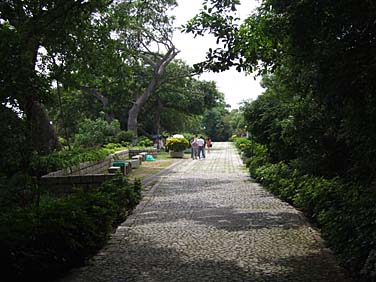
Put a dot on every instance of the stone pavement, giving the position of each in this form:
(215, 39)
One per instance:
(207, 221)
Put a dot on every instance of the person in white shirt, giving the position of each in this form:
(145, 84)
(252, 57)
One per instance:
(201, 147)
(194, 145)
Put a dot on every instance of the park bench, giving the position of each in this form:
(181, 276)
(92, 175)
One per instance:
(114, 169)
(137, 157)
(134, 163)
(125, 166)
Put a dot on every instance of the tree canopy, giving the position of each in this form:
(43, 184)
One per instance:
(317, 114)
(77, 58)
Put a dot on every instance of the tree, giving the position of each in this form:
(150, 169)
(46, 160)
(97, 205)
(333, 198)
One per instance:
(26, 28)
(216, 123)
(236, 121)
(327, 48)
(127, 57)
(180, 98)
(15, 143)
(146, 38)
(318, 112)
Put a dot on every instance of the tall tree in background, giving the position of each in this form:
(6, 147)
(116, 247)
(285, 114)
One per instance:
(216, 123)
(123, 57)
(146, 37)
(180, 98)
(26, 27)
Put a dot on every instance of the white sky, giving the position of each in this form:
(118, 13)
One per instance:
(236, 86)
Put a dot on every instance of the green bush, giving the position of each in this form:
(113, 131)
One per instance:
(259, 158)
(41, 165)
(345, 212)
(144, 142)
(94, 133)
(60, 233)
(42, 241)
(279, 179)
(255, 154)
(114, 147)
(177, 144)
(349, 225)
(241, 141)
(17, 191)
(188, 136)
(124, 136)
(125, 195)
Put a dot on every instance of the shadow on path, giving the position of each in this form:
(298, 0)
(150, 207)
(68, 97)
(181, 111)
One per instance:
(161, 264)
(221, 217)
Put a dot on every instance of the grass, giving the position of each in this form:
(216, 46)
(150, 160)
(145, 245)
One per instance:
(149, 168)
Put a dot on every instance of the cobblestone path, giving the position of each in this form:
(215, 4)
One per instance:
(207, 221)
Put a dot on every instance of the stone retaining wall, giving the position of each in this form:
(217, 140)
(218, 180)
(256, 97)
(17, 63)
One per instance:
(121, 155)
(86, 175)
(149, 151)
(63, 185)
(91, 167)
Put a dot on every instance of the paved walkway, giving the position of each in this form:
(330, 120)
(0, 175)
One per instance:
(207, 221)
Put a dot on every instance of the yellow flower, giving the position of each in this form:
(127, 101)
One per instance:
(177, 144)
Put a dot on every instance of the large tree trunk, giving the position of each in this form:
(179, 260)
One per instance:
(132, 118)
(159, 69)
(43, 134)
(34, 22)
(157, 116)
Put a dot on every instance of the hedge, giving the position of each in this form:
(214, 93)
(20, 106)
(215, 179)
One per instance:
(343, 209)
(43, 241)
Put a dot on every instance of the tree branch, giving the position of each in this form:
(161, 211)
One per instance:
(96, 94)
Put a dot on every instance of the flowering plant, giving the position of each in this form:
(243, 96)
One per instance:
(177, 144)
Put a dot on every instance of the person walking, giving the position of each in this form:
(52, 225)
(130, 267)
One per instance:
(194, 145)
(208, 144)
(190, 144)
(201, 147)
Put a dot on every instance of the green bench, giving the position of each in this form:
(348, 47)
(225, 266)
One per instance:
(124, 166)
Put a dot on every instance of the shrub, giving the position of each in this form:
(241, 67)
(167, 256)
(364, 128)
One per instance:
(94, 133)
(250, 148)
(349, 225)
(125, 195)
(177, 144)
(144, 142)
(188, 136)
(42, 241)
(279, 179)
(124, 136)
(60, 233)
(233, 137)
(41, 165)
(344, 211)
(17, 191)
(113, 147)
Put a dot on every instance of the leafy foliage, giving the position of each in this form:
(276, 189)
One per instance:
(68, 158)
(43, 241)
(216, 123)
(96, 133)
(344, 211)
(15, 143)
(144, 141)
(124, 136)
(177, 144)
(316, 118)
